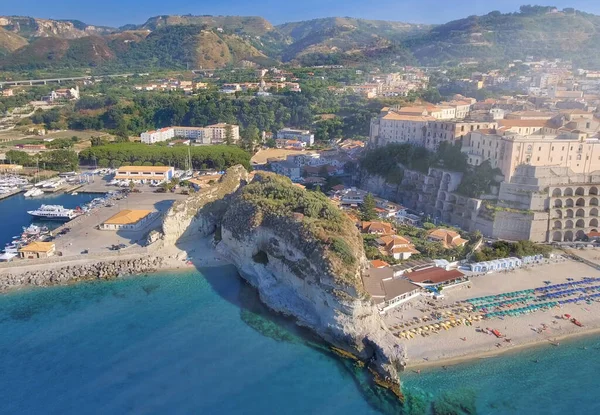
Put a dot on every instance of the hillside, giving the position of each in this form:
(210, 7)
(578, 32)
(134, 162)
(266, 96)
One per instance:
(29, 27)
(537, 31)
(343, 37)
(218, 41)
(9, 42)
(249, 25)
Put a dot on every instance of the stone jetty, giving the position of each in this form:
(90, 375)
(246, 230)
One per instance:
(100, 270)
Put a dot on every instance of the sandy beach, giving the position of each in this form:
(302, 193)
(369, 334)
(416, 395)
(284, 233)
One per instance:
(543, 328)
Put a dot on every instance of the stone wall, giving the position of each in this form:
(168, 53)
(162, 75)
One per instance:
(101, 270)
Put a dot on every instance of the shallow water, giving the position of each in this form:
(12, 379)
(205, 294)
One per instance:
(201, 343)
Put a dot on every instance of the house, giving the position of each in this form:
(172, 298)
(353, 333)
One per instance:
(448, 238)
(128, 219)
(301, 135)
(37, 250)
(378, 263)
(385, 290)
(10, 168)
(396, 246)
(376, 228)
(294, 144)
(286, 168)
(435, 276)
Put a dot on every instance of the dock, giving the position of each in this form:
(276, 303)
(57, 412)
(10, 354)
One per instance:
(9, 194)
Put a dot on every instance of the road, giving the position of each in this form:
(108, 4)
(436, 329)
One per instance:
(59, 80)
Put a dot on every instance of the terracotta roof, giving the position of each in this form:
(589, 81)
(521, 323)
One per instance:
(377, 227)
(394, 239)
(378, 263)
(434, 275)
(38, 247)
(447, 237)
(522, 123)
(127, 217)
(404, 250)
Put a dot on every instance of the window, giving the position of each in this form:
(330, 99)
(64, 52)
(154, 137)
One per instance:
(540, 148)
(538, 159)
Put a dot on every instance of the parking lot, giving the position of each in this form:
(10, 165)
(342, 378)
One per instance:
(84, 235)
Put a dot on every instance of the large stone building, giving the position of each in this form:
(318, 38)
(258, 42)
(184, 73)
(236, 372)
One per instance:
(569, 140)
(425, 126)
(211, 134)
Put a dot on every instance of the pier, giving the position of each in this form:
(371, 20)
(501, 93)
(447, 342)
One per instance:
(9, 194)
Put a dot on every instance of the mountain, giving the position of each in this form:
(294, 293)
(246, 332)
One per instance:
(29, 27)
(9, 42)
(174, 41)
(538, 31)
(243, 25)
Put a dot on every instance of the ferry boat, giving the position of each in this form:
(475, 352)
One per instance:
(54, 212)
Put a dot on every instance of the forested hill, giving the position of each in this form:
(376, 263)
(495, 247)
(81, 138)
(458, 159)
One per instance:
(174, 41)
(538, 31)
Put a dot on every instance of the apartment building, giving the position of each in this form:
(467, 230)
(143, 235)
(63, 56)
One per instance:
(211, 134)
(426, 126)
(301, 135)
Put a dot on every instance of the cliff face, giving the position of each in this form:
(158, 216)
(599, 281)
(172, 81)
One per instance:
(30, 27)
(200, 214)
(302, 254)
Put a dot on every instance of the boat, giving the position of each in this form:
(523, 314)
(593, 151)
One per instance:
(496, 333)
(576, 322)
(33, 192)
(53, 212)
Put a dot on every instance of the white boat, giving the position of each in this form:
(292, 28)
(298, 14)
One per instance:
(53, 212)
(34, 192)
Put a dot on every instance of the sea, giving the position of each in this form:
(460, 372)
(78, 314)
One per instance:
(200, 342)
(15, 217)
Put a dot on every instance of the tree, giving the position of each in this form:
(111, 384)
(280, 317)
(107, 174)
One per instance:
(250, 138)
(228, 134)
(131, 185)
(367, 208)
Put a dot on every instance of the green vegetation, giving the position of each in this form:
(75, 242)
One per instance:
(273, 196)
(479, 180)
(503, 249)
(367, 208)
(205, 157)
(58, 160)
(391, 160)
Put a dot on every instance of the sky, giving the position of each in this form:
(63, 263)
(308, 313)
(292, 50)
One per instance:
(120, 12)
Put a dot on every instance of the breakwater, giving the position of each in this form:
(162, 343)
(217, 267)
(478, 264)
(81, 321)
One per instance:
(99, 270)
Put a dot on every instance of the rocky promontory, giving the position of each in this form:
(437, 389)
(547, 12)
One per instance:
(303, 254)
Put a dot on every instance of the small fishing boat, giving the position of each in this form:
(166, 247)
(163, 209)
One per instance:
(576, 322)
(496, 333)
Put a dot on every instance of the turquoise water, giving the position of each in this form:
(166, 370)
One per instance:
(14, 211)
(201, 343)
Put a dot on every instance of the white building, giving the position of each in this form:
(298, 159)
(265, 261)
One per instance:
(211, 134)
(301, 135)
(145, 173)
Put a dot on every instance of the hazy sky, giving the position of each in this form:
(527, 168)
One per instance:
(120, 12)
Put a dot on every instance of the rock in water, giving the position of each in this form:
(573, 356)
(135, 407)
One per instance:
(303, 254)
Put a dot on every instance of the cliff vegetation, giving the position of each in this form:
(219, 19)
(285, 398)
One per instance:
(308, 216)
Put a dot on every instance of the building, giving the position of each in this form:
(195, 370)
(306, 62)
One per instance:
(291, 144)
(301, 135)
(288, 169)
(127, 219)
(435, 276)
(376, 228)
(425, 126)
(211, 134)
(448, 238)
(396, 246)
(10, 168)
(385, 290)
(507, 150)
(37, 250)
(62, 95)
(155, 174)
